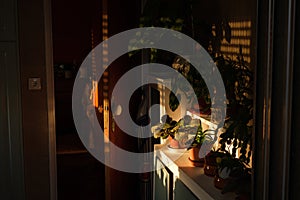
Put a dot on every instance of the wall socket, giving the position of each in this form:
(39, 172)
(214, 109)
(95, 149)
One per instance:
(34, 84)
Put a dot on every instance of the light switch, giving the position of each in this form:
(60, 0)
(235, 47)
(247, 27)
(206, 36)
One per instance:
(34, 84)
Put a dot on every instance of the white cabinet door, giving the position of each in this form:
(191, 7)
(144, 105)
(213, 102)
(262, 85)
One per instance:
(163, 182)
(182, 192)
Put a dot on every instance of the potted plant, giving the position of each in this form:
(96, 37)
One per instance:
(239, 182)
(233, 175)
(198, 84)
(236, 137)
(166, 129)
(228, 166)
(196, 143)
(238, 127)
(211, 161)
(178, 132)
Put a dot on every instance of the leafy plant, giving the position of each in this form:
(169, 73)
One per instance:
(166, 129)
(232, 164)
(196, 81)
(237, 131)
(201, 136)
(170, 127)
(239, 180)
(214, 157)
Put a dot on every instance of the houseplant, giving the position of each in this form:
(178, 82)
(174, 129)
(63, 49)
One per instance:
(211, 161)
(227, 166)
(236, 137)
(197, 82)
(233, 175)
(196, 143)
(239, 182)
(178, 132)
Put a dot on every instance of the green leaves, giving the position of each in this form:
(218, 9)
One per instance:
(201, 136)
(238, 80)
(170, 127)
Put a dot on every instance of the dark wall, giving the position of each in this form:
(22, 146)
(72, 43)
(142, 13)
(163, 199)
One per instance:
(34, 56)
(122, 16)
(73, 23)
(76, 28)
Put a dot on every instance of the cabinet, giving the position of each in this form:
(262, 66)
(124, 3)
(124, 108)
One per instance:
(176, 179)
(182, 192)
(166, 188)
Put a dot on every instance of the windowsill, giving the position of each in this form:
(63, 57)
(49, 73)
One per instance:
(205, 119)
(193, 177)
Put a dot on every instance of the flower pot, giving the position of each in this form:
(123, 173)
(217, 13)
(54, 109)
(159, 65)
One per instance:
(210, 165)
(173, 143)
(194, 157)
(210, 170)
(222, 177)
(182, 138)
(219, 182)
(179, 141)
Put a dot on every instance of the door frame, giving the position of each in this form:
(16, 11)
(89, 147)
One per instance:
(50, 98)
(274, 93)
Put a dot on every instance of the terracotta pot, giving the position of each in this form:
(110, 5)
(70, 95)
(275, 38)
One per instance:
(210, 170)
(219, 182)
(177, 144)
(173, 143)
(194, 157)
(210, 166)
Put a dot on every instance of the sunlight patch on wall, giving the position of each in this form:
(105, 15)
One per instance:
(105, 81)
(241, 33)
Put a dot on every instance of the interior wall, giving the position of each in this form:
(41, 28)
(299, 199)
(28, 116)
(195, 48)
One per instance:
(76, 30)
(33, 63)
(73, 24)
(121, 16)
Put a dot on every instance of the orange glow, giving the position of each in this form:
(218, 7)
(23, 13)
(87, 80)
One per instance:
(95, 94)
(240, 38)
(105, 80)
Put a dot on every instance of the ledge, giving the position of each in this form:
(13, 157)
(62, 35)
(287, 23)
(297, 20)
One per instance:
(193, 177)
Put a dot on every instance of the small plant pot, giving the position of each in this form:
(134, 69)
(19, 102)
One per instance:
(179, 141)
(174, 144)
(194, 157)
(210, 170)
(219, 182)
(222, 177)
(210, 166)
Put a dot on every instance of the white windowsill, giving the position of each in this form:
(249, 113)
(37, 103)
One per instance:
(193, 177)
